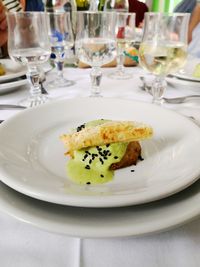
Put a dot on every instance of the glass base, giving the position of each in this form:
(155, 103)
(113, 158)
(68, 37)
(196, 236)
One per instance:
(34, 101)
(60, 83)
(120, 75)
(95, 95)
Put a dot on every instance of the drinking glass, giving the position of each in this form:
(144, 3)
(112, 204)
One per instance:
(116, 5)
(163, 49)
(95, 43)
(62, 40)
(125, 38)
(28, 44)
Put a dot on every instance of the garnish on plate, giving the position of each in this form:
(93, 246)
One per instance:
(99, 147)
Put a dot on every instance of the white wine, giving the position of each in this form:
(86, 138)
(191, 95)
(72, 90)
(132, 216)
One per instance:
(164, 58)
(96, 51)
(30, 56)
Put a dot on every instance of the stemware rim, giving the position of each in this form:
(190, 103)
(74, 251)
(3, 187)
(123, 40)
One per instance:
(93, 12)
(168, 13)
(26, 12)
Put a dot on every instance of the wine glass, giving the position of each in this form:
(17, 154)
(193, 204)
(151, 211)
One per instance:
(163, 49)
(95, 43)
(116, 5)
(125, 38)
(62, 40)
(28, 44)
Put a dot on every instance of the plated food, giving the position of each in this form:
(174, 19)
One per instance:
(99, 147)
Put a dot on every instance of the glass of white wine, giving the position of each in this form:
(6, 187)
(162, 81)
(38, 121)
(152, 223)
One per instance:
(163, 49)
(125, 39)
(95, 43)
(29, 45)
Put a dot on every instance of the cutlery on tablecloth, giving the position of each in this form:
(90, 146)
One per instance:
(173, 100)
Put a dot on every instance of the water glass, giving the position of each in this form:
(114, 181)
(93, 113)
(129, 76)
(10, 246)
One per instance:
(29, 45)
(95, 43)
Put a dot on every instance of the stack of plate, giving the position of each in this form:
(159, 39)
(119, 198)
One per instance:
(14, 77)
(161, 193)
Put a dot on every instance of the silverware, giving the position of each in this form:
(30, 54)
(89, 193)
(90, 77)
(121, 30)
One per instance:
(181, 99)
(10, 106)
(174, 100)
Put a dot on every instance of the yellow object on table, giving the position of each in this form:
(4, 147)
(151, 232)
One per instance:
(2, 70)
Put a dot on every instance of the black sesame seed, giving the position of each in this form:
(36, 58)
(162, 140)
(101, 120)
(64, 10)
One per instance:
(88, 183)
(87, 167)
(132, 170)
(90, 161)
(109, 154)
(105, 158)
(115, 157)
(79, 128)
(102, 175)
(101, 160)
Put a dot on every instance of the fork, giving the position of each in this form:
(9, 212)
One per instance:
(174, 100)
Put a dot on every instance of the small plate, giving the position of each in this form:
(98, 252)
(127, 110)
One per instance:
(32, 161)
(187, 72)
(13, 70)
(11, 86)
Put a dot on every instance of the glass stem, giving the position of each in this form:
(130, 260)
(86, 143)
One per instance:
(59, 67)
(33, 77)
(120, 62)
(158, 88)
(96, 75)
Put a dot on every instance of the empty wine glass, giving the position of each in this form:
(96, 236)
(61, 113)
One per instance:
(163, 49)
(116, 5)
(62, 40)
(95, 43)
(28, 44)
(125, 38)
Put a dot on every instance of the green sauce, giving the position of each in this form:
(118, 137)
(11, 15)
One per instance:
(91, 165)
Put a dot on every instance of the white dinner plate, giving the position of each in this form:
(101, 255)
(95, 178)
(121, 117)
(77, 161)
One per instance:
(98, 223)
(32, 157)
(10, 86)
(13, 70)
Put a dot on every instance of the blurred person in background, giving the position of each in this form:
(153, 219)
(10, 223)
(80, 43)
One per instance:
(139, 9)
(33, 5)
(25, 5)
(3, 24)
(12, 5)
(192, 7)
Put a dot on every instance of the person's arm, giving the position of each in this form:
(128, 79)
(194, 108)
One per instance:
(3, 25)
(194, 21)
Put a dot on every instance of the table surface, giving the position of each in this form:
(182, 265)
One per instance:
(22, 244)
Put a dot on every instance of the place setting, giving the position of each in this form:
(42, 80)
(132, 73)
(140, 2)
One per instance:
(67, 164)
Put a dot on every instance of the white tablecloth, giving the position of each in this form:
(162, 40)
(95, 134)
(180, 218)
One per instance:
(23, 245)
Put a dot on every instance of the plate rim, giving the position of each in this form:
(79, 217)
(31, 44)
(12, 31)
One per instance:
(3, 78)
(10, 86)
(87, 200)
(49, 220)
